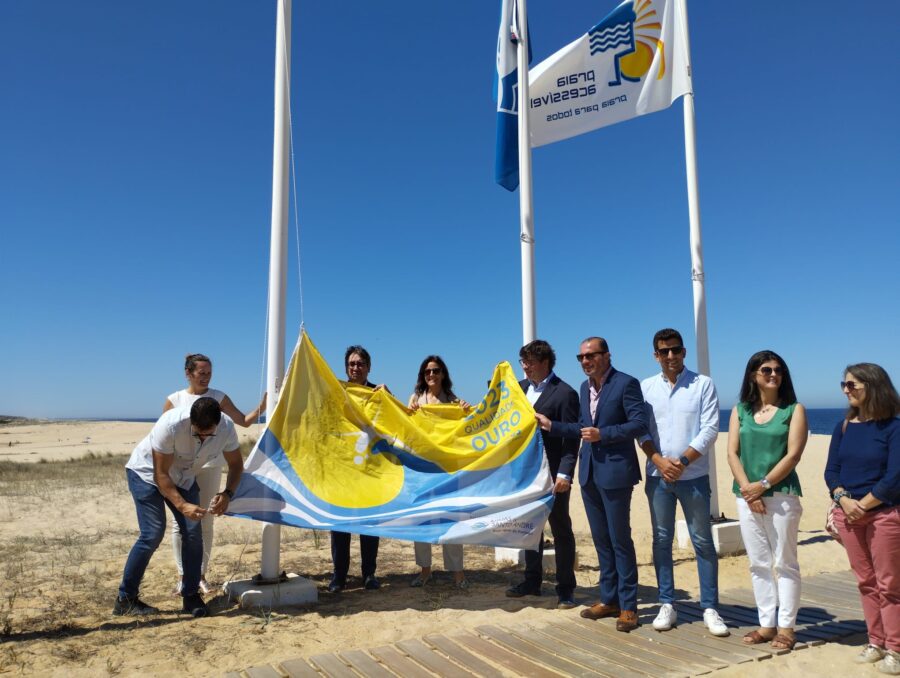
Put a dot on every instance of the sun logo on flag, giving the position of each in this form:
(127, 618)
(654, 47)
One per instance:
(635, 27)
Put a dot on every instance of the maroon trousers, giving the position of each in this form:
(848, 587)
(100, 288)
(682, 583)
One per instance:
(873, 546)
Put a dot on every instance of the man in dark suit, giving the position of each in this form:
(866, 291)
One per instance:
(612, 416)
(556, 400)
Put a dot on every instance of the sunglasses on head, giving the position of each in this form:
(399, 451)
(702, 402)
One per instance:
(769, 371)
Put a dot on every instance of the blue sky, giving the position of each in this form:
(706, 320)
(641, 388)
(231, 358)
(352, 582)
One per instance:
(135, 197)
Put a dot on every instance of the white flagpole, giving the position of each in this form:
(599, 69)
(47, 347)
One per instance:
(526, 201)
(271, 533)
(697, 276)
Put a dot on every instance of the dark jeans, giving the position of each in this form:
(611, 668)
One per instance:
(340, 555)
(563, 544)
(151, 515)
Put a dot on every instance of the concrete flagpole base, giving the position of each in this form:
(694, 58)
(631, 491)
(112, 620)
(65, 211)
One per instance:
(289, 590)
(726, 537)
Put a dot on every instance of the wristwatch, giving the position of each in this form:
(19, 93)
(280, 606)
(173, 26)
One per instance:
(684, 460)
(228, 493)
(766, 485)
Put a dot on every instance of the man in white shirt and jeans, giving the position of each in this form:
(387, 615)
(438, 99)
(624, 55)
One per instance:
(683, 411)
(162, 471)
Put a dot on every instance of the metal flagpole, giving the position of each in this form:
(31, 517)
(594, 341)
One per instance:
(272, 587)
(697, 276)
(526, 202)
(271, 533)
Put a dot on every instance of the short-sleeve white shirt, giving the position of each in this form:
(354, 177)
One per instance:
(183, 398)
(172, 434)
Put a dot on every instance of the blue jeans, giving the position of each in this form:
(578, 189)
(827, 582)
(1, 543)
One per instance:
(151, 515)
(693, 495)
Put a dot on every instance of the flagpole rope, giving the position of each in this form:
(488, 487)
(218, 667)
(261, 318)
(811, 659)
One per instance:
(294, 180)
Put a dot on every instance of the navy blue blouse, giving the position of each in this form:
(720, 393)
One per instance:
(866, 458)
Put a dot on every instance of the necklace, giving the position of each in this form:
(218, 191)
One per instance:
(763, 411)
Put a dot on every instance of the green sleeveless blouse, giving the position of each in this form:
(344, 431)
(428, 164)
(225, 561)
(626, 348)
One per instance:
(763, 446)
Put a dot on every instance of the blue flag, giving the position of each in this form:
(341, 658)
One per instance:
(506, 168)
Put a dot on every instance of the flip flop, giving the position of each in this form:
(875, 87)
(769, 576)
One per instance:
(783, 642)
(756, 638)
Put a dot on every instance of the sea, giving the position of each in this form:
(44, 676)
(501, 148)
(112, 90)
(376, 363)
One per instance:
(820, 421)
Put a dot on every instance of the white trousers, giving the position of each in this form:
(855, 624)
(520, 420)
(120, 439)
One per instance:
(453, 556)
(771, 542)
(209, 481)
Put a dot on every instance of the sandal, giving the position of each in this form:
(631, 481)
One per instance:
(756, 638)
(783, 642)
(420, 581)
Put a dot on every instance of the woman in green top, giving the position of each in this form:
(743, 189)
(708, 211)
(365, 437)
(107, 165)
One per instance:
(766, 437)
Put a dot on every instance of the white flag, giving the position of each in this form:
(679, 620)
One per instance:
(633, 62)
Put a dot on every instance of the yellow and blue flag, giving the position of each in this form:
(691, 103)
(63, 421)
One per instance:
(339, 456)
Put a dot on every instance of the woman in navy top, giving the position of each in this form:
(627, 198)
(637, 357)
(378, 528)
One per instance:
(863, 476)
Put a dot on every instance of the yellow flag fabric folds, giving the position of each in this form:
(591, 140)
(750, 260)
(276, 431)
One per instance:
(339, 456)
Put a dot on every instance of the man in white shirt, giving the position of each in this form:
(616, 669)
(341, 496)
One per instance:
(683, 414)
(162, 471)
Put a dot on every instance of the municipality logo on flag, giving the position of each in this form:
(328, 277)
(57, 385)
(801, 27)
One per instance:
(629, 64)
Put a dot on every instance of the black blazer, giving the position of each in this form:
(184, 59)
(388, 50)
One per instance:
(621, 417)
(558, 402)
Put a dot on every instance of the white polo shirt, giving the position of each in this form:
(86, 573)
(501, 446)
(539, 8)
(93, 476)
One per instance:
(172, 434)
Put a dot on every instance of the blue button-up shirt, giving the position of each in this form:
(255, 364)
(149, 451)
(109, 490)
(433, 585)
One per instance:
(536, 390)
(681, 416)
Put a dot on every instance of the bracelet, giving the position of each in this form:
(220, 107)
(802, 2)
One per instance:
(837, 496)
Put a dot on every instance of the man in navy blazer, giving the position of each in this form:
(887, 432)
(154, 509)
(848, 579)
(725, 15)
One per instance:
(556, 400)
(612, 417)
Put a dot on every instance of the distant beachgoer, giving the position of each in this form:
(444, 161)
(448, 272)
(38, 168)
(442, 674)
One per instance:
(766, 437)
(357, 363)
(198, 371)
(162, 471)
(863, 476)
(434, 386)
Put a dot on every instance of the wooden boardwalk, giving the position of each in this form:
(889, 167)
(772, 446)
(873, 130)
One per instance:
(578, 647)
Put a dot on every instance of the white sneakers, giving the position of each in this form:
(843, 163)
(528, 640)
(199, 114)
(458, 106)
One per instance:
(869, 655)
(666, 618)
(714, 623)
(890, 663)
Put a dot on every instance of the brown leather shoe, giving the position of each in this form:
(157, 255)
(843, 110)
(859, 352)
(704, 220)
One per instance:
(627, 621)
(599, 611)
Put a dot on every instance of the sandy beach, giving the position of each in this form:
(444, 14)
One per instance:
(67, 522)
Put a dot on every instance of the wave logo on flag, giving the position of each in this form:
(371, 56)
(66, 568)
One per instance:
(600, 79)
(340, 456)
(641, 42)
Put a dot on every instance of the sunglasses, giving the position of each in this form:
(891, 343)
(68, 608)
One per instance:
(769, 371)
(428, 371)
(581, 357)
(672, 350)
(355, 363)
(851, 385)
